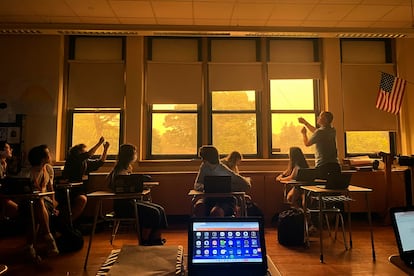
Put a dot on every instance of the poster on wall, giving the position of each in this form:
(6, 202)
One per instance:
(13, 135)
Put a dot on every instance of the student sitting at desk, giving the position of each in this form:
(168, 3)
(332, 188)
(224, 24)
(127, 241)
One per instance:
(232, 161)
(77, 167)
(152, 216)
(296, 161)
(211, 165)
(41, 174)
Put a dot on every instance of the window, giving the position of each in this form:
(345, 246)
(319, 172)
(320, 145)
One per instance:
(174, 130)
(369, 142)
(88, 125)
(95, 102)
(234, 121)
(291, 99)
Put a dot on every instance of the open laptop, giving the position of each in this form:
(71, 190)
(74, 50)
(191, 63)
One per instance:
(226, 246)
(16, 185)
(306, 175)
(132, 183)
(403, 224)
(217, 184)
(338, 181)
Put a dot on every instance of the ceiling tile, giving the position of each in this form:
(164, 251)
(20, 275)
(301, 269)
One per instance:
(99, 20)
(291, 12)
(353, 24)
(91, 8)
(172, 9)
(252, 11)
(283, 23)
(213, 10)
(367, 13)
(212, 22)
(401, 13)
(320, 23)
(137, 20)
(393, 24)
(247, 22)
(329, 12)
(175, 21)
(132, 9)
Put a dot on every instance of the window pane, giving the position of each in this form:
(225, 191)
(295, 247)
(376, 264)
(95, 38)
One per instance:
(174, 134)
(233, 100)
(235, 132)
(286, 132)
(359, 142)
(292, 94)
(89, 127)
(181, 107)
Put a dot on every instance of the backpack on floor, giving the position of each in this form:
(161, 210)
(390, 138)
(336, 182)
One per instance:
(291, 227)
(70, 240)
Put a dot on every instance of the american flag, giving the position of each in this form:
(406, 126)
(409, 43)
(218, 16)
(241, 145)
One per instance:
(390, 94)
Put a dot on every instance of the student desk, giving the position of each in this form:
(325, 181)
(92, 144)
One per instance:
(103, 195)
(31, 197)
(320, 191)
(67, 187)
(240, 196)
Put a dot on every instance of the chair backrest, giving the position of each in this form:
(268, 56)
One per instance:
(132, 183)
(338, 181)
(16, 185)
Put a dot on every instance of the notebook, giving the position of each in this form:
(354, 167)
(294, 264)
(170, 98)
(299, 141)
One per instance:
(403, 224)
(306, 174)
(133, 183)
(217, 184)
(338, 181)
(16, 185)
(226, 246)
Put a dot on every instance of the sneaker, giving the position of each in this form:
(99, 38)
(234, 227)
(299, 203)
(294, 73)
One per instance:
(52, 249)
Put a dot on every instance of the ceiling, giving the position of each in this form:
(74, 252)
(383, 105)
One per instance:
(214, 17)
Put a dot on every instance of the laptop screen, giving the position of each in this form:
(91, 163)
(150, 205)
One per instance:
(230, 244)
(403, 221)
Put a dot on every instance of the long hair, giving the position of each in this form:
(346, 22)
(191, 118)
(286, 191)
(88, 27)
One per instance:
(126, 156)
(232, 159)
(297, 158)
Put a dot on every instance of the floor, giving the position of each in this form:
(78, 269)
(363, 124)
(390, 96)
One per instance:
(288, 260)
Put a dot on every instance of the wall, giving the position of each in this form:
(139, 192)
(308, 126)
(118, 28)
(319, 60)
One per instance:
(172, 193)
(31, 79)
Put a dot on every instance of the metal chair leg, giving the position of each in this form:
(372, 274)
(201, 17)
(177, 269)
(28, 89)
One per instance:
(115, 230)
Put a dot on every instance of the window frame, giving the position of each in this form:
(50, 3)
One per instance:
(150, 155)
(315, 111)
(392, 138)
(74, 111)
(257, 117)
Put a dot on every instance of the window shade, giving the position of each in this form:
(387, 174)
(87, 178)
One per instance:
(174, 83)
(235, 76)
(96, 85)
(294, 70)
(360, 85)
(291, 50)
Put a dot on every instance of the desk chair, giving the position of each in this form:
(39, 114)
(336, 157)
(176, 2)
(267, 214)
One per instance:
(329, 208)
(117, 220)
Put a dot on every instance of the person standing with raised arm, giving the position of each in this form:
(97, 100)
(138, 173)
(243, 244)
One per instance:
(324, 139)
